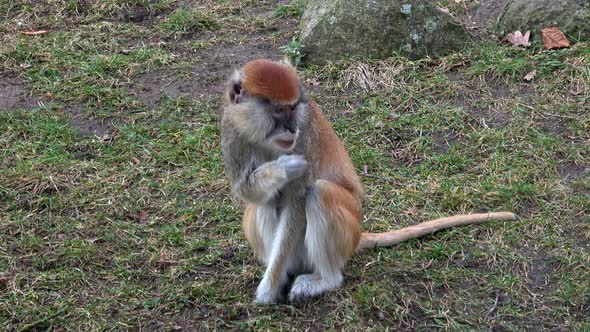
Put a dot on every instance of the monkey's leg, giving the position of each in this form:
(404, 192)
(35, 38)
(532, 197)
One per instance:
(333, 231)
(259, 223)
(280, 238)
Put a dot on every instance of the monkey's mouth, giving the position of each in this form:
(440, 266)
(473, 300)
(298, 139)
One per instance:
(285, 143)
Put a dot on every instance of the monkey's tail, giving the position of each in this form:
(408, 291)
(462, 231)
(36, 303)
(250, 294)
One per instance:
(371, 240)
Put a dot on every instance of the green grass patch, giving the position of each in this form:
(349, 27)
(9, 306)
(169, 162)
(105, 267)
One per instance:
(292, 9)
(185, 21)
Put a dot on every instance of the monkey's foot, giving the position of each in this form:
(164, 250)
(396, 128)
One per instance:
(310, 285)
(265, 298)
(265, 294)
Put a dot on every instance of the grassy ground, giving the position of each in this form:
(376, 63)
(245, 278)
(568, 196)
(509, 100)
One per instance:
(115, 214)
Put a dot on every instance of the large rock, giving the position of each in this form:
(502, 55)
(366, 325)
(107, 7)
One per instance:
(333, 29)
(570, 16)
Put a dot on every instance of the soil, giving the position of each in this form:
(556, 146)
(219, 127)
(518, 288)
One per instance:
(207, 75)
(486, 98)
(136, 14)
(553, 126)
(490, 117)
(86, 125)
(470, 100)
(14, 94)
(444, 141)
(570, 170)
(212, 67)
(577, 232)
(542, 271)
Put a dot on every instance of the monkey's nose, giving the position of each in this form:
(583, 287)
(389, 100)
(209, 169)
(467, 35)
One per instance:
(290, 127)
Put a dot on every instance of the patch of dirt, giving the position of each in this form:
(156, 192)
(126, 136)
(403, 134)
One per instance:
(86, 125)
(14, 94)
(485, 99)
(443, 141)
(135, 14)
(480, 20)
(151, 87)
(571, 170)
(553, 126)
(527, 206)
(499, 91)
(213, 66)
(140, 14)
(541, 272)
(490, 117)
(83, 152)
(206, 78)
(579, 232)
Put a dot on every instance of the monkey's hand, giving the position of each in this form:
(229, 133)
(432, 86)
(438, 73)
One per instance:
(263, 183)
(294, 166)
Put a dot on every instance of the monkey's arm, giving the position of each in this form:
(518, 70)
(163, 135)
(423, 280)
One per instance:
(371, 240)
(262, 184)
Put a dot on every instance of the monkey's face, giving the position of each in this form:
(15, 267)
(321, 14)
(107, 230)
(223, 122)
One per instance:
(266, 104)
(274, 125)
(286, 119)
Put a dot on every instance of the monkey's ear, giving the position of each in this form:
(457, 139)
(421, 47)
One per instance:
(235, 89)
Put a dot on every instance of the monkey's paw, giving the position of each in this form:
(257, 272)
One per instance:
(305, 286)
(265, 296)
(310, 285)
(294, 165)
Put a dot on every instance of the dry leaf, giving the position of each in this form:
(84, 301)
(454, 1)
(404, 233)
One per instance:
(142, 216)
(4, 280)
(518, 39)
(313, 81)
(106, 139)
(410, 211)
(165, 259)
(461, 63)
(34, 32)
(109, 137)
(576, 91)
(529, 77)
(553, 38)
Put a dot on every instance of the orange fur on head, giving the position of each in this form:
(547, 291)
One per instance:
(276, 81)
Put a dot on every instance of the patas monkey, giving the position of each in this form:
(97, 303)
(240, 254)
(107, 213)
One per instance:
(303, 212)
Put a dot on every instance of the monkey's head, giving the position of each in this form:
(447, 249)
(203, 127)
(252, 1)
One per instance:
(265, 102)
